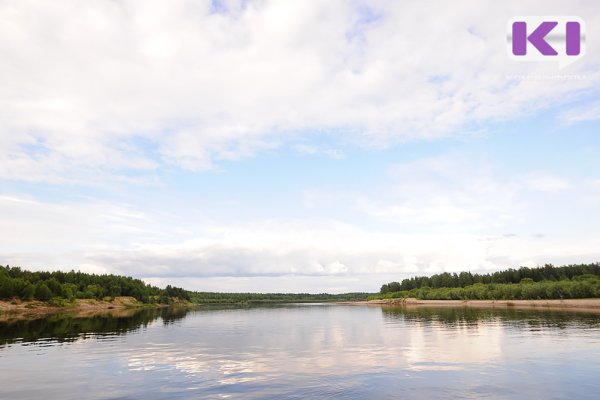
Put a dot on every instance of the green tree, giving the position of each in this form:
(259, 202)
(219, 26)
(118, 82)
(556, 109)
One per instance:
(465, 279)
(54, 286)
(27, 290)
(42, 292)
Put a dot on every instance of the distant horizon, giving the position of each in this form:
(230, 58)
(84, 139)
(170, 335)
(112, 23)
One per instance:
(181, 280)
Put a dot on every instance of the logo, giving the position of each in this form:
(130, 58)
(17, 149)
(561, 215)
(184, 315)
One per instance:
(557, 39)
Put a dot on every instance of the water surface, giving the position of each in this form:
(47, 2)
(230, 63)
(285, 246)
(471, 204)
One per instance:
(303, 351)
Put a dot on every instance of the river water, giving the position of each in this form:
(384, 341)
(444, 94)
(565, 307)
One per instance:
(303, 351)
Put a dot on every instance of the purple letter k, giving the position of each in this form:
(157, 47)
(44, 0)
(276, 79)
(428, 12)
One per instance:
(536, 38)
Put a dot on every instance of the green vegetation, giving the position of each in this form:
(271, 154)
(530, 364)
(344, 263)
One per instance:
(61, 287)
(256, 298)
(547, 282)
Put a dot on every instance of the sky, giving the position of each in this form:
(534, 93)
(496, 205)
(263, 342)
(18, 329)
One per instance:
(293, 146)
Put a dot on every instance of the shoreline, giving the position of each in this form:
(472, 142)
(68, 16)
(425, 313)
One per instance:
(17, 309)
(576, 305)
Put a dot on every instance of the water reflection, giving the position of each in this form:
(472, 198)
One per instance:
(309, 351)
(69, 327)
(475, 317)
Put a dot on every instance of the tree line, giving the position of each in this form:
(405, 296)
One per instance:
(58, 285)
(463, 279)
(44, 286)
(236, 298)
(580, 287)
(546, 282)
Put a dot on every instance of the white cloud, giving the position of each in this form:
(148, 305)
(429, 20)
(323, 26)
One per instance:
(545, 183)
(442, 193)
(93, 86)
(587, 112)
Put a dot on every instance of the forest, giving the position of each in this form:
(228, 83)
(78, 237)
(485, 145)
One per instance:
(256, 298)
(45, 286)
(545, 282)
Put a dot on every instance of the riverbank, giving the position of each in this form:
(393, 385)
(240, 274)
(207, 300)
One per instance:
(581, 305)
(32, 309)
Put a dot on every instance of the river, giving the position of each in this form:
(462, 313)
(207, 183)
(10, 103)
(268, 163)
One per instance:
(303, 351)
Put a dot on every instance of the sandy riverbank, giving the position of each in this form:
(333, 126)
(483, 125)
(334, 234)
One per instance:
(32, 309)
(581, 305)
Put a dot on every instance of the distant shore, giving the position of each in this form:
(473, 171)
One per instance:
(580, 305)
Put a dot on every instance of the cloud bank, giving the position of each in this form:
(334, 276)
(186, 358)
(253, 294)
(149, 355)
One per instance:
(95, 89)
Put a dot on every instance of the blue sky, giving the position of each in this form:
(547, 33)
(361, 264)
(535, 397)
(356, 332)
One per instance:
(292, 146)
